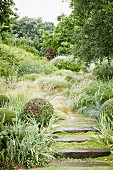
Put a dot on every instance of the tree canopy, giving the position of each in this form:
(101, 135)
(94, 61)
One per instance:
(93, 29)
(7, 14)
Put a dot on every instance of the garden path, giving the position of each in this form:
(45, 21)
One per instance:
(73, 130)
(75, 137)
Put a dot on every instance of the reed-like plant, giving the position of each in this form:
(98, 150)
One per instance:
(106, 129)
(24, 143)
(53, 82)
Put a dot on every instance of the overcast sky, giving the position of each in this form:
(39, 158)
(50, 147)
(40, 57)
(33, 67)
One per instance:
(48, 10)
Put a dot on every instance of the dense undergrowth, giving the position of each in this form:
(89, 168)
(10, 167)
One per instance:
(25, 76)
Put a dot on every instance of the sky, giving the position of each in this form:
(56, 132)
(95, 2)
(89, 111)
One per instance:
(48, 10)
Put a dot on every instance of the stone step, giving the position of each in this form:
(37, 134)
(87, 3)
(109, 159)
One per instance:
(80, 153)
(73, 139)
(57, 163)
(76, 130)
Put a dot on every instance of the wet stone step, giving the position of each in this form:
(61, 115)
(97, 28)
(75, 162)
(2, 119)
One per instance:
(79, 164)
(80, 153)
(77, 130)
(73, 139)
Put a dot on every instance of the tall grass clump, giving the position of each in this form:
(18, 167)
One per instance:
(31, 77)
(106, 129)
(91, 95)
(38, 67)
(53, 82)
(67, 62)
(24, 144)
(68, 74)
(104, 71)
(4, 100)
(16, 103)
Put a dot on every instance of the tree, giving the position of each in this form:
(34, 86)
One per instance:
(93, 29)
(62, 38)
(31, 28)
(7, 15)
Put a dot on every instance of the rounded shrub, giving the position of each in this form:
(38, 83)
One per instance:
(104, 71)
(39, 108)
(3, 100)
(37, 67)
(67, 62)
(107, 108)
(7, 115)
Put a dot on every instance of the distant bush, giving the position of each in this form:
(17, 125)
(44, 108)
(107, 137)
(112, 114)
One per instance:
(25, 43)
(3, 100)
(40, 109)
(50, 53)
(107, 108)
(67, 62)
(10, 58)
(104, 71)
(37, 67)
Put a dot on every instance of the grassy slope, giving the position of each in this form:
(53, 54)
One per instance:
(15, 52)
(32, 88)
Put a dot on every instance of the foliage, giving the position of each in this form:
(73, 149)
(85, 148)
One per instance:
(50, 53)
(24, 43)
(67, 62)
(17, 102)
(61, 39)
(52, 83)
(106, 127)
(7, 15)
(10, 58)
(7, 116)
(40, 109)
(26, 145)
(91, 95)
(107, 108)
(30, 29)
(32, 77)
(104, 71)
(3, 100)
(40, 66)
(93, 29)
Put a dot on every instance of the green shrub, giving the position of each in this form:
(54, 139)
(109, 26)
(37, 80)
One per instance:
(25, 144)
(7, 116)
(90, 94)
(24, 43)
(39, 108)
(3, 100)
(37, 67)
(107, 108)
(67, 62)
(10, 58)
(104, 71)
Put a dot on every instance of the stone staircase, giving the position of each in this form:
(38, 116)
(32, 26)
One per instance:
(73, 126)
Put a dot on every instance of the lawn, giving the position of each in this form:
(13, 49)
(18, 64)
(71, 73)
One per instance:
(77, 168)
